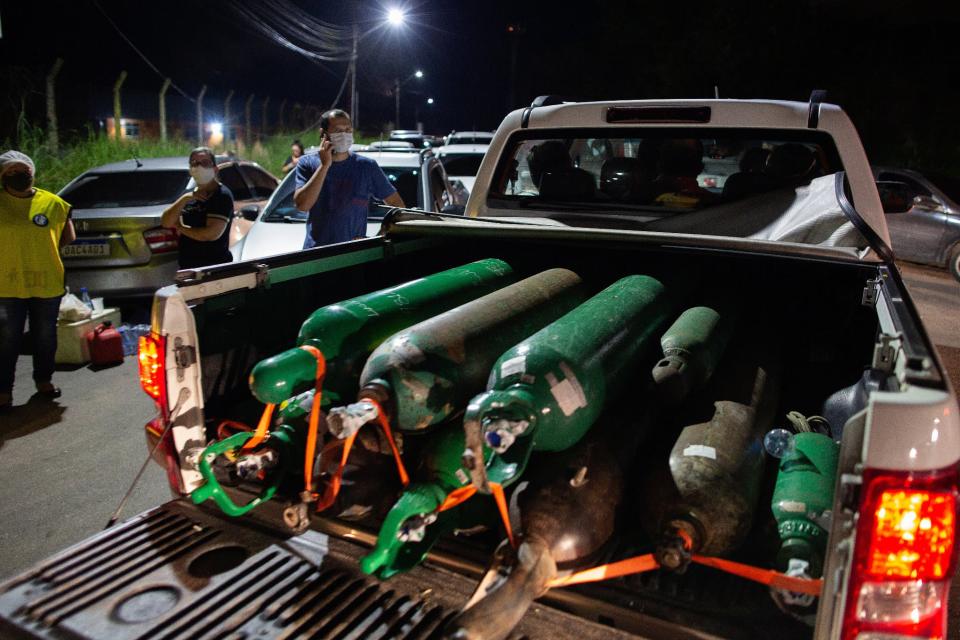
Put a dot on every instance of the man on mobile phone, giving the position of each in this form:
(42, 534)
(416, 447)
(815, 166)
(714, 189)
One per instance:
(335, 185)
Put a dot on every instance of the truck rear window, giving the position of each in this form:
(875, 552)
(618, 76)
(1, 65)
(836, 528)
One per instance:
(657, 170)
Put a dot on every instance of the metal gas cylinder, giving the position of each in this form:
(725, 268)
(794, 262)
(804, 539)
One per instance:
(567, 514)
(803, 500)
(347, 332)
(547, 391)
(429, 371)
(412, 526)
(704, 503)
(692, 347)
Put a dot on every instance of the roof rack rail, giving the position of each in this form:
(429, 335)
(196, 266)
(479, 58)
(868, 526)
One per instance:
(539, 101)
(817, 96)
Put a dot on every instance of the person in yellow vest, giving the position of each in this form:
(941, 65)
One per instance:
(34, 224)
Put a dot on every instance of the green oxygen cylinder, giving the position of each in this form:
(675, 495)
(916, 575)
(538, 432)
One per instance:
(347, 332)
(692, 346)
(547, 391)
(803, 500)
(413, 525)
(428, 372)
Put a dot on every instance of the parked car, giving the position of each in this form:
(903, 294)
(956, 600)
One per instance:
(418, 139)
(468, 137)
(417, 175)
(923, 217)
(462, 161)
(121, 250)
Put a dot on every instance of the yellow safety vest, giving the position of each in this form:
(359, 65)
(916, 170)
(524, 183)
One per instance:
(30, 228)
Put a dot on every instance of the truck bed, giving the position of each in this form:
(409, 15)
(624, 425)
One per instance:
(178, 571)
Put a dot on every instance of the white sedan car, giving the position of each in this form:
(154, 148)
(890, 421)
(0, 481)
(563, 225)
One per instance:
(417, 175)
(462, 161)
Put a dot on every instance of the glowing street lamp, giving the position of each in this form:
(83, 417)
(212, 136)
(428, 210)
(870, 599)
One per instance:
(429, 100)
(396, 16)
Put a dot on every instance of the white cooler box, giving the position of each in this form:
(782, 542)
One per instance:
(72, 336)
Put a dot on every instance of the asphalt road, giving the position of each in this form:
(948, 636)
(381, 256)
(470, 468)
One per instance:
(65, 465)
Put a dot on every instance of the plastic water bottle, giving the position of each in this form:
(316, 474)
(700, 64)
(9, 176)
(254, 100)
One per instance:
(85, 298)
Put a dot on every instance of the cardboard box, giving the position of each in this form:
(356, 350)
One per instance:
(72, 336)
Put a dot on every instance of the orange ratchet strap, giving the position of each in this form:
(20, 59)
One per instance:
(648, 562)
(333, 486)
(461, 495)
(262, 427)
(314, 424)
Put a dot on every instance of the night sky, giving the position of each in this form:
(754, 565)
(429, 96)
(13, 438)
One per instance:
(892, 65)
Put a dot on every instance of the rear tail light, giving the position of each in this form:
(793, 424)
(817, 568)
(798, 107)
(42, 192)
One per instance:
(904, 558)
(161, 239)
(152, 355)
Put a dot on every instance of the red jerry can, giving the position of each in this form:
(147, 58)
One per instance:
(105, 344)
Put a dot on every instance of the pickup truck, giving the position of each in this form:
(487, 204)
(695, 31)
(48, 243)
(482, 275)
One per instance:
(793, 249)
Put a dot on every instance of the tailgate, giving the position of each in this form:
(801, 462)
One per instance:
(179, 572)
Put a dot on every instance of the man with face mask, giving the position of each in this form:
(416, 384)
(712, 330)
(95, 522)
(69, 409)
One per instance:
(34, 224)
(335, 185)
(202, 216)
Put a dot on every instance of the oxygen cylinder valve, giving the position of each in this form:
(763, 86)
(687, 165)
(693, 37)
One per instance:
(501, 433)
(675, 550)
(343, 422)
(414, 528)
(250, 466)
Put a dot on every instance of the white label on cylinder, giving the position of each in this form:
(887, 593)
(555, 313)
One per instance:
(700, 451)
(568, 393)
(513, 365)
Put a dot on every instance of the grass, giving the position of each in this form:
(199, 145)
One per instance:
(85, 151)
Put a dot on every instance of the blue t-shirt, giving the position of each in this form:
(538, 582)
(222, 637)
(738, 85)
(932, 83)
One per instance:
(340, 213)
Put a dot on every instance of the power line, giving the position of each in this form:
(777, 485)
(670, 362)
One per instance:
(140, 53)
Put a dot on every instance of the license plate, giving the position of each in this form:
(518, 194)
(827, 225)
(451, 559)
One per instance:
(86, 249)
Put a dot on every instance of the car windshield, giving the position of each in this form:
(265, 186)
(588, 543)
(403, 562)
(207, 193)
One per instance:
(126, 189)
(680, 180)
(282, 209)
(949, 185)
(461, 164)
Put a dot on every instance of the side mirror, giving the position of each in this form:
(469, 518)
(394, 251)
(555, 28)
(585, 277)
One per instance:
(927, 203)
(896, 197)
(454, 209)
(250, 212)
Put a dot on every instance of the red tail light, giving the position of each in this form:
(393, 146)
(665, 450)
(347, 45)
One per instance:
(152, 355)
(161, 239)
(905, 556)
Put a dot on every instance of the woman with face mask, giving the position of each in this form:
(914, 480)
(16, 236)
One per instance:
(335, 185)
(34, 225)
(202, 216)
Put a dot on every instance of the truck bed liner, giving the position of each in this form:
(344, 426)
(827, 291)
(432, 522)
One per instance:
(178, 572)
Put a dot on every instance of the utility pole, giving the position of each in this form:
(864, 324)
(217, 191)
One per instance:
(227, 118)
(163, 109)
(249, 134)
(354, 94)
(514, 30)
(53, 136)
(263, 119)
(116, 104)
(203, 92)
(396, 95)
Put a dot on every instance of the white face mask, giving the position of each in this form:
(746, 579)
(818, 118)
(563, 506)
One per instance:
(202, 175)
(341, 141)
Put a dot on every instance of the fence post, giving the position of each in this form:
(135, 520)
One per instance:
(248, 135)
(203, 91)
(227, 117)
(283, 106)
(116, 105)
(297, 115)
(53, 135)
(263, 119)
(163, 109)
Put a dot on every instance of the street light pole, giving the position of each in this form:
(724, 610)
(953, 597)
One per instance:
(354, 94)
(396, 95)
